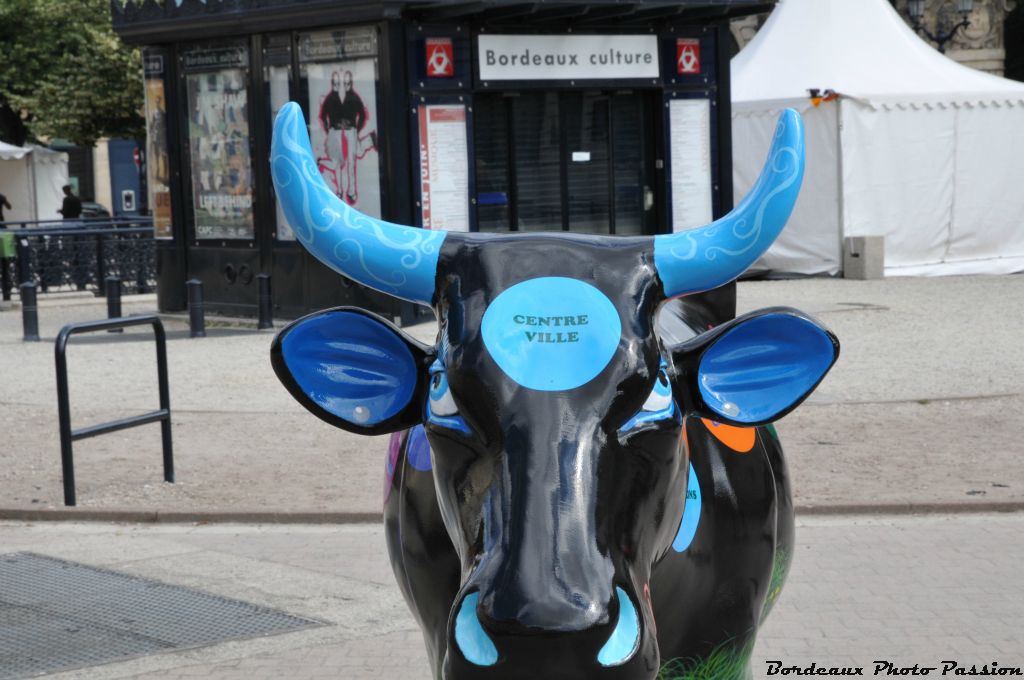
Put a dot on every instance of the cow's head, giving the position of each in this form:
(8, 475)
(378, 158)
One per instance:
(553, 410)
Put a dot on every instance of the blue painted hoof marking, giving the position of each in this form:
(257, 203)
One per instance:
(691, 514)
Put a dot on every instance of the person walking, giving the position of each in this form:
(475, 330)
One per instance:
(4, 203)
(73, 260)
(72, 207)
(6, 250)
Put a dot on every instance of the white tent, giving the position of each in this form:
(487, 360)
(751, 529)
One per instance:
(31, 178)
(915, 148)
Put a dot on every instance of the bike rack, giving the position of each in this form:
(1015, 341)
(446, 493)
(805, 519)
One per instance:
(163, 415)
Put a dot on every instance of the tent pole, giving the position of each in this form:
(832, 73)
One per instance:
(952, 203)
(839, 181)
(34, 213)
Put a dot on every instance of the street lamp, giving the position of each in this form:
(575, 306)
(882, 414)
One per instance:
(916, 10)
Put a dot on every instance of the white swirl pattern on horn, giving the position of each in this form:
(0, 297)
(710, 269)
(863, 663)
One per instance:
(708, 257)
(391, 258)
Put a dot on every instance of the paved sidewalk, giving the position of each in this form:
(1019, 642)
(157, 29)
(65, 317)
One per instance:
(911, 590)
(925, 408)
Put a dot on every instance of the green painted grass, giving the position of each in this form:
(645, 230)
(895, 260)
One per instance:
(780, 569)
(725, 662)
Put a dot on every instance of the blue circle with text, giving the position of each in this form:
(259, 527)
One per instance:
(551, 333)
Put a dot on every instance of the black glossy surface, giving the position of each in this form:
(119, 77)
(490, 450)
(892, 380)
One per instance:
(540, 499)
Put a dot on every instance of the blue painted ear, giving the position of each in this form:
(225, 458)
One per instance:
(754, 369)
(353, 369)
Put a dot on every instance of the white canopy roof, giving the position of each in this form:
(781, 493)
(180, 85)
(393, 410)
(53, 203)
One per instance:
(858, 48)
(10, 152)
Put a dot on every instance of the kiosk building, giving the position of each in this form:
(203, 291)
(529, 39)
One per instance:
(493, 116)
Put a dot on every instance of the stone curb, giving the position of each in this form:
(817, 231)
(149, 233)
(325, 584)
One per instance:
(190, 517)
(952, 508)
(77, 299)
(315, 517)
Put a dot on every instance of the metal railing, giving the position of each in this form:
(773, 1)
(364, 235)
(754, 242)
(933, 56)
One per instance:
(79, 255)
(163, 415)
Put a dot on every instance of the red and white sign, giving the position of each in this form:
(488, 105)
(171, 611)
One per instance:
(440, 58)
(687, 56)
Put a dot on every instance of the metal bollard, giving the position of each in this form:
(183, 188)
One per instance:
(5, 277)
(29, 312)
(265, 306)
(112, 285)
(196, 318)
(24, 268)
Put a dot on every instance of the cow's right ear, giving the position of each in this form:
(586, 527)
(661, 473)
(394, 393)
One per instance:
(354, 370)
(754, 369)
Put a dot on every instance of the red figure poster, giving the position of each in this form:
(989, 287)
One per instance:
(343, 115)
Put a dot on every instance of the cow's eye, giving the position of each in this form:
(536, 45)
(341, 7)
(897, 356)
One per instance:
(441, 402)
(441, 408)
(658, 406)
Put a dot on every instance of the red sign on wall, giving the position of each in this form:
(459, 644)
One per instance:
(440, 58)
(687, 56)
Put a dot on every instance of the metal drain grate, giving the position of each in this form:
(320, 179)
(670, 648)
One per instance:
(56, 615)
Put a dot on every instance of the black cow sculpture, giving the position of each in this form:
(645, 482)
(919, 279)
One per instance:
(582, 482)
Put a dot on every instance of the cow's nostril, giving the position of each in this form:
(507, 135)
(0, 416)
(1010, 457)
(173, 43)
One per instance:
(470, 636)
(625, 639)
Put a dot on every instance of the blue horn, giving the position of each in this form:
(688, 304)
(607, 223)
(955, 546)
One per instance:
(707, 257)
(394, 259)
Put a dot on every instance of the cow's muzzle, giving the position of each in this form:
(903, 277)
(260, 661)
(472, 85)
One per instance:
(607, 645)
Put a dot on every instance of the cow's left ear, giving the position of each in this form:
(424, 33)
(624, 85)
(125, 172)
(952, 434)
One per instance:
(354, 370)
(754, 369)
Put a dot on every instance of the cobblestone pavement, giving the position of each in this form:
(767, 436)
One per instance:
(908, 590)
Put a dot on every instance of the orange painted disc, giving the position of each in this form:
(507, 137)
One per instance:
(740, 439)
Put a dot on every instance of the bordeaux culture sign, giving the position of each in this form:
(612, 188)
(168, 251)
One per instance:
(567, 57)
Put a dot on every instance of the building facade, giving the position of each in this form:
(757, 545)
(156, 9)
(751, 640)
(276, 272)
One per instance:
(495, 116)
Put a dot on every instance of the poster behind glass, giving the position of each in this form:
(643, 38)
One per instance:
(158, 166)
(339, 75)
(277, 60)
(690, 132)
(219, 142)
(444, 167)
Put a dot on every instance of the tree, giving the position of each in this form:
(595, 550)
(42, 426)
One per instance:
(64, 73)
